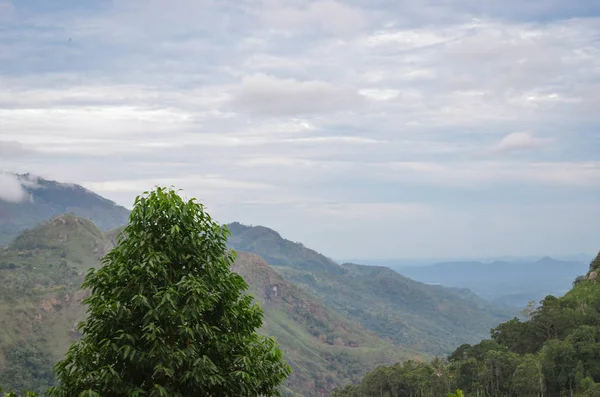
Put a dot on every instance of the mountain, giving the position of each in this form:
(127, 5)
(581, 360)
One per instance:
(47, 198)
(40, 303)
(513, 283)
(555, 352)
(421, 317)
(323, 349)
(40, 300)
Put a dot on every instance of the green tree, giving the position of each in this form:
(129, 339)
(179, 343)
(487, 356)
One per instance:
(528, 379)
(559, 365)
(168, 317)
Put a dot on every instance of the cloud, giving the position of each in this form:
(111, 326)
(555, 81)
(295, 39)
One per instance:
(12, 149)
(328, 16)
(373, 211)
(477, 173)
(267, 95)
(351, 119)
(11, 189)
(521, 141)
(193, 182)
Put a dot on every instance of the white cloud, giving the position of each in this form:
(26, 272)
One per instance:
(372, 212)
(271, 96)
(585, 174)
(521, 141)
(329, 16)
(11, 189)
(12, 149)
(192, 183)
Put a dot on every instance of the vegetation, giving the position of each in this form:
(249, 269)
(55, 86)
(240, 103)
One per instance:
(24, 394)
(556, 352)
(323, 348)
(41, 301)
(167, 316)
(420, 317)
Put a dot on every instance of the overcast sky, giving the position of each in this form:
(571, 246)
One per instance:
(362, 128)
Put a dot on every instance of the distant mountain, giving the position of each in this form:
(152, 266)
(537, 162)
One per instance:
(514, 283)
(422, 317)
(40, 303)
(47, 198)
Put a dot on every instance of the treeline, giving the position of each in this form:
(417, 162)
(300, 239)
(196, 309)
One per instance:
(554, 353)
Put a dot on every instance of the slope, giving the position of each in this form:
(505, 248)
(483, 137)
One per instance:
(323, 349)
(40, 300)
(556, 352)
(48, 198)
(421, 317)
(40, 303)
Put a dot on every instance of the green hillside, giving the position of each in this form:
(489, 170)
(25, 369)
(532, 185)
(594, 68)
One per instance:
(555, 353)
(323, 348)
(40, 304)
(421, 317)
(48, 198)
(40, 300)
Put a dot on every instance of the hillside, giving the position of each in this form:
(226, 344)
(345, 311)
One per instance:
(323, 349)
(40, 303)
(514, 283)
(421, 317)
(556, 352)
(47, 198)
(40, 300)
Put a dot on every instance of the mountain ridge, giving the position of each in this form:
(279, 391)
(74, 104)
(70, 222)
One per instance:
(46, 198)
(412, 314)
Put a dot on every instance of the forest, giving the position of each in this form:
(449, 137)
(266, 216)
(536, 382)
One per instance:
(554, 351)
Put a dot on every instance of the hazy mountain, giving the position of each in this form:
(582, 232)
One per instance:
(514, 283)
(47, 198)
(422, 317)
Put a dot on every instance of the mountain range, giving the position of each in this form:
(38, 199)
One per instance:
(513, 283)
(334, 321)
(427, 318)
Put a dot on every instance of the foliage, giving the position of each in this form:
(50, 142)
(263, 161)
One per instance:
(24, 394)
(555, 353)
(167, 316)
(29, 367)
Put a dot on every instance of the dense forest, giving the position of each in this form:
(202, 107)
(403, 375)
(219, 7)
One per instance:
(554, 352)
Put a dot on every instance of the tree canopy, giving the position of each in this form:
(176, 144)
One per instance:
(167, 316)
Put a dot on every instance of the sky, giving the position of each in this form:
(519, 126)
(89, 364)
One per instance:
(361, 128)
